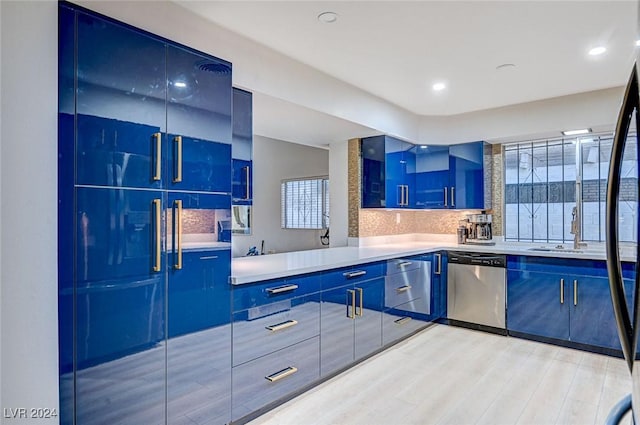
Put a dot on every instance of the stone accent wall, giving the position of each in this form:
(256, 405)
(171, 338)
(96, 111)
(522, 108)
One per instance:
(380, 222)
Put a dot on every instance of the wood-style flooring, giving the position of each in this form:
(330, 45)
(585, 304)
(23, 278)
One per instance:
(449, 375)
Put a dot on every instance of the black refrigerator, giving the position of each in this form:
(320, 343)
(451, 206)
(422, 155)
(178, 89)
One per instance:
(627, 317)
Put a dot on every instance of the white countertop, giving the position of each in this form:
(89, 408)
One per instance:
(257, 268)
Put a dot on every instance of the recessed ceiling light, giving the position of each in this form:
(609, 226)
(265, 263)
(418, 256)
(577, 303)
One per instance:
(424, 146)
(638, 43)
(328, 17)
(439, 86)
(180, 84)
(597, 51)
(576, 132)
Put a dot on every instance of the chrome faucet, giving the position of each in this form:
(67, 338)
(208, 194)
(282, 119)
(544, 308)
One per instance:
(575, 229)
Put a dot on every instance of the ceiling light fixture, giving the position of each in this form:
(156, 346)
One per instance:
(328, 17)
(576, 132)
(180, 84)
(597, 51)
(439, 86)
(638, 43)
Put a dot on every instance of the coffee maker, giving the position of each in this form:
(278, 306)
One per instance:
(479, 231)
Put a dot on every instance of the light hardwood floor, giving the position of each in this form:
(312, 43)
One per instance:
(449, 375)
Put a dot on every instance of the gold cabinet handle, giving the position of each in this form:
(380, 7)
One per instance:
(351, 275)
(439, 269)
(404, 288)
(446, 196)
(453, 196)
(157, 211)
(157, 175)
(178, 235)
(561, 291)
(402, 320)
(405, 264)
(281, 374)
(575, 292)
(353, 304)
(177, 178)
(281, 289)
(248, 175)
(360, 291)
(282, 325)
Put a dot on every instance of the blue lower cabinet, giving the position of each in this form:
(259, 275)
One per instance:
(351, 323)
(439, 285)
(538, 304)
(402, 320)
(264, 329)
(272, 377)
(120, 351)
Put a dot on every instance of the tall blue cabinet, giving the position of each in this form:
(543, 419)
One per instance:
(145, 160)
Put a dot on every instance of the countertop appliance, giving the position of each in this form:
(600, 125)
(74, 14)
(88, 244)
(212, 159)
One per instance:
(476, 286)
(479, 231)
(627, 317)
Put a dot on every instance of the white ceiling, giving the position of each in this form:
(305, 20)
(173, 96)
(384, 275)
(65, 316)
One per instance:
(396, 50)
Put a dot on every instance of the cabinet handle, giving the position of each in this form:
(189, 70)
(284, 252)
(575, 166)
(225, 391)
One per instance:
(575, 292)
(353, 304)
(404, 288)
(402, 320)
(446, 196)
(178, 235)
(360, 291)
(248, 175)
(281, 289)
(406, 198)
(158, 168)
(282, 325)
(178, 160)
(281, 374)
(561, 291)
(157, 211)
(453, 196)
(405, 263)
(439, 269)
(351, 275)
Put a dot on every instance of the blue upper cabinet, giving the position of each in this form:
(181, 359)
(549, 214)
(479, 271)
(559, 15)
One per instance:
(120, 105)
(198, 121)
(452, 176)
(424, 177)
(242, 149)
(388, 173)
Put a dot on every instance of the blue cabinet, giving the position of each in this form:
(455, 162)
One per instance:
(452, 176)
(439, 285)
(145, 161)
(242, 191)
(563, 299)
(350, 315)
(388, 173)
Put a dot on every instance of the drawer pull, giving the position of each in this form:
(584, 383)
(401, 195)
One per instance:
(281, 289)
(405, 263)
(402, 320)
(282, 325)
(351, 275)
(281, 374)
(404, 288)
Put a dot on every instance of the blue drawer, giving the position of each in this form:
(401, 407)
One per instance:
(399, 265)
(266, 379)
(350, 275)
(400, 288)
(255, 294)
(264, 329)
(399, 322)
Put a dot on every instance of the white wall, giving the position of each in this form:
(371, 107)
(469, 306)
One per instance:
(339, 193)
(275, 160)
(28, 224)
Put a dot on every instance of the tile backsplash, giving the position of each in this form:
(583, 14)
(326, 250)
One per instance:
(381, 222)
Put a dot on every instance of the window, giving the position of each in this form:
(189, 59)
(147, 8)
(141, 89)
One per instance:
(305, 203)
(546, 180)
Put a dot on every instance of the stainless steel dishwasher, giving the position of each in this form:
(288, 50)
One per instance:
(476, 287)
